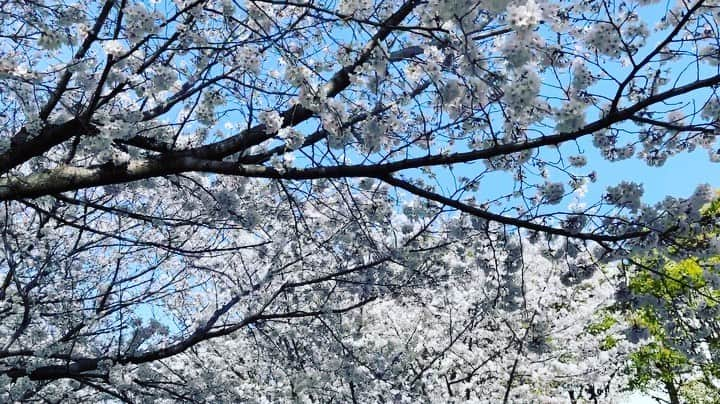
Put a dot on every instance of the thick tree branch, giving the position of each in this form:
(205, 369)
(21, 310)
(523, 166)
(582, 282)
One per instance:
(66, 178)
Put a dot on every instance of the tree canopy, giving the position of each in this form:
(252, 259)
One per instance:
(349, 201)
(676, 299)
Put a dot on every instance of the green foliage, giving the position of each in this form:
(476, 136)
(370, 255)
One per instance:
(602, 326)
(712, 209)
(676, 279)
(667, 285)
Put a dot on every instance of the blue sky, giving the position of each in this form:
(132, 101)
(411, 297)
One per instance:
(679, 176)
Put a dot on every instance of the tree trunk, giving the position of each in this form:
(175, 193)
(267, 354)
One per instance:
(672, 392)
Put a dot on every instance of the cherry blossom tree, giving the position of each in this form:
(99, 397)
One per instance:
(475, 336)
(321, 200)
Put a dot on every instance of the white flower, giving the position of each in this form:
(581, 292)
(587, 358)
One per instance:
(373, 133)
(603, 140)
(605, 39)
(272, 121)
(521, 92)
(626, 195)
(138, 21)
(571, 116)
(582, 77)
(578, 161)
(711, 110)
(451, 91)
(163, 78)
(114, 48)
(250, 59)
(206, 110)
(293, 139)
(50, 40)
(228, 8)
(524, 17)
(519, 48)
(703, 195)
(281, 163)
(356, 8)
(553, 192)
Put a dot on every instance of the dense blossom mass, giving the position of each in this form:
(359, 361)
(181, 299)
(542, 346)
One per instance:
(354, 200)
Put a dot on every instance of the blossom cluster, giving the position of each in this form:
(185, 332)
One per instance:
(356, 8)
(114, 48)
(711, 110)
(578, 160)
(164, 77)
(372, 134)
(139, 21)
(249, 59)
(523, 89)
(51, 40)
(293, 139)
(523, 16)
(272, 121)
(626, 195)
(519, 50)
(582, 76)
(553, 192)
(571, 116)
(205, 111)
(333, 116)
(604, 38)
